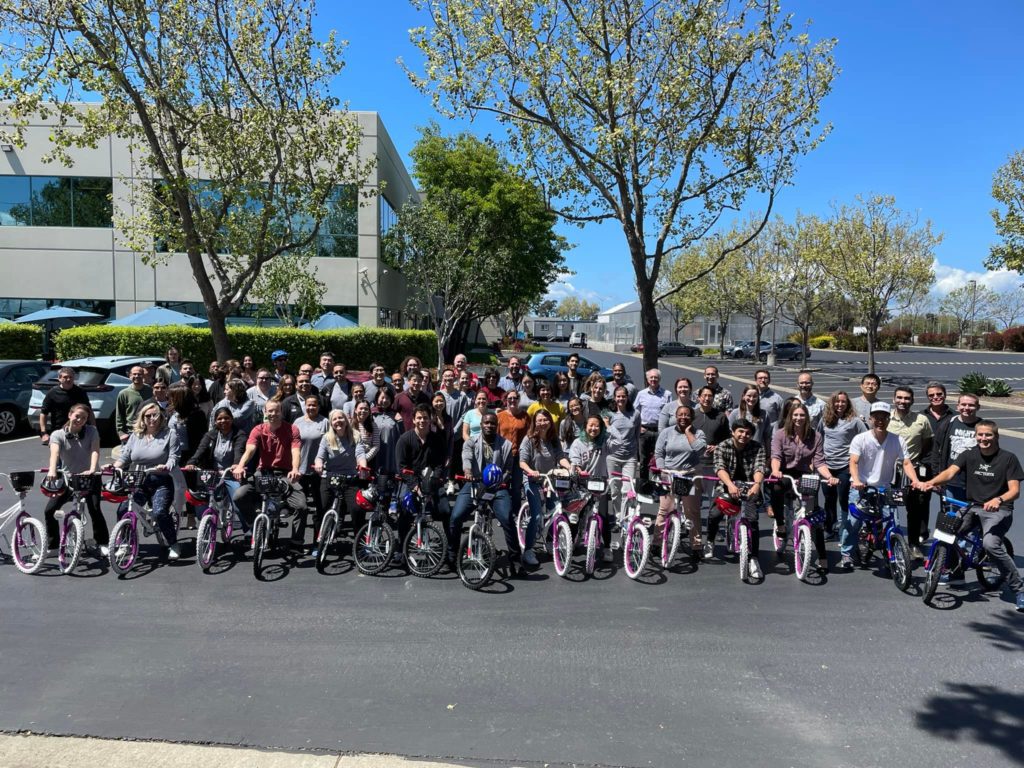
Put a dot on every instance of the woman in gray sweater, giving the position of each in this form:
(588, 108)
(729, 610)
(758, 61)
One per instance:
(623, 423)
(153, 446)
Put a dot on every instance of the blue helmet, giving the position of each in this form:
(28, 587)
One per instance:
(410, 503)
(492, 476)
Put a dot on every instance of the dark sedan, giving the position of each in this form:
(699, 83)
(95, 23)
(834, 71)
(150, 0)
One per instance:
(16, 380)
(667, 348)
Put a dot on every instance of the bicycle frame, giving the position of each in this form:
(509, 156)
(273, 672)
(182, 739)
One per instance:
(968, 544)
(882, 526)
(16, 513)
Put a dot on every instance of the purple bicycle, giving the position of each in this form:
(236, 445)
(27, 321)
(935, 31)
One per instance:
(807, 515)
(124, 538)
(28, 542)
(209, 493)
(71, 520)
(582, 512)
(739, 532)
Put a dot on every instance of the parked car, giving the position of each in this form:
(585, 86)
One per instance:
(16, 380)
(731, 349)
(746, 349)
(102, 378)
(578, 339)
(637, 348)
(547, 364)
(667, 348)
(786, 350)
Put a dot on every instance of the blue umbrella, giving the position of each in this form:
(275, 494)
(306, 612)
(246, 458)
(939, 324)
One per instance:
(158, 316)
(329, 321)
(56, 313)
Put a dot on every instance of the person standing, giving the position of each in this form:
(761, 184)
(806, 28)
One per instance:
(956, 436)
(513, 380)
(170, 371)
(916, 431)
(723, 398)
(262, 391)
(325, 372)
(407, 401)
(576, 382)
(869, 384)
(771, 401)
(623, 423)
(619, 379)
(513, 424)
(815, 405)
(129, 402)
(648, 403)
(838, 426)
(684, 396)
(58, 401)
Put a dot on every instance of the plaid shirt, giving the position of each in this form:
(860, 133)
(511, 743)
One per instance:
(752, 458)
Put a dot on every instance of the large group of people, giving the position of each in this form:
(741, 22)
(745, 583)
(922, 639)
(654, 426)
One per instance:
(242, 417)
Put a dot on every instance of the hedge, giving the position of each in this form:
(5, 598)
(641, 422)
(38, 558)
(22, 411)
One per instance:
(356, 347)
(20, 342)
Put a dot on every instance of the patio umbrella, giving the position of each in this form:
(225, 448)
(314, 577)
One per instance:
(329, 321)
(56, 313)
(158, 316)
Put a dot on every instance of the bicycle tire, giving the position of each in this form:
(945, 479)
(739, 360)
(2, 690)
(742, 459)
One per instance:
(671, 536)
(70, 549)
(902, 565)
(522, 523)
(123, 547)
(935, 567)
(865, 547)
(561, 547)
(744, 548)
(731, 547)
(206, 542)
(636, 549)
(324, 539)
(28, 545)
(259, 543)
(475, 562)
(425, 558)
(802, 551)
(374, 545)
(591, 535)
(777, 541)
(986, 568)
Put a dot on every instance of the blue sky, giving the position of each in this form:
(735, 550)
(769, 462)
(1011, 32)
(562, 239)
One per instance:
(927, 106)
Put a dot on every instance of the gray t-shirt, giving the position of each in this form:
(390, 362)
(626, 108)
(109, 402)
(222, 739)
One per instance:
(673, 450)
(147, 451)
(836, 441)
(343, 458)
(310, 433)
(76, 452)
(544, 457)
(223, 452)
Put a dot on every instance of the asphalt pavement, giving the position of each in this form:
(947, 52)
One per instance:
(680, 668)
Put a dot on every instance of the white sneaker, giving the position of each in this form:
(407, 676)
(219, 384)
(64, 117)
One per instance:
(753, 569)
(104, 550)
(530, 559)
(173, 552)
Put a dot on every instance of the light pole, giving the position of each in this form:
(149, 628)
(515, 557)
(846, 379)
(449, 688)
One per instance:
(974, 306)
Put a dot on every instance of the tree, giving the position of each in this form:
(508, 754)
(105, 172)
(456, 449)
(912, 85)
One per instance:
(881, 256)
(1008, 190)
(224, 101)
(757, 285)
(482, 242)
(963, 303)
(716, 295)
(545, 308)
(659, 115)
(808, 286)
(572, 308)
(289, 289)
(1007, 307)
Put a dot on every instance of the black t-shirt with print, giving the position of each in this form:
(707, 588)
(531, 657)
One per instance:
(986, 476)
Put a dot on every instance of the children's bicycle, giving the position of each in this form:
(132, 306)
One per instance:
(582, 512)
(876, 509)
(554, 485)
(331, 523)
(375, 542)
(680, 485)
(211, 496)
(740, 530)
(634, 537)
(124, 537)
(71, 519)
(807, 516)
(959, 529)
(273, 488)
(426, 545)
(27, 541)
(477, 554)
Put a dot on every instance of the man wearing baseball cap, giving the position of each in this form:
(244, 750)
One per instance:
(280, 360)
(873, 457)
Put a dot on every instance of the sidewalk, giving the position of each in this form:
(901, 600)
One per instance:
(34, 751)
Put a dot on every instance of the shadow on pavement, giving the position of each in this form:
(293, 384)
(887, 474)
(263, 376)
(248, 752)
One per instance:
(983, 714)
(1004, 630)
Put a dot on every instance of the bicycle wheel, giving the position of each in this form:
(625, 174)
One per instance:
(591, 537)
(634, 553)
(989, 575)
(206, 541)
(373, 547)
(29, 545)
(777, 541)
(670, 538)
(475, 562)
(902, 564)
(865, 546)
(561, 547)
(936, 565)
(425, 554)
(70, 548)
(802, 551)
(522, 523)
(744, 549)
(259, 543)
(124, 547)
(325, 538)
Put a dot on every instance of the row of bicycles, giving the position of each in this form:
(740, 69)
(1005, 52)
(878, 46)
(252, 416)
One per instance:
(571, 525)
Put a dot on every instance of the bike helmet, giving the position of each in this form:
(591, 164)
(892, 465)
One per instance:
(53, 486)
(727, 506)
(410, 503)
(491, 476)
(366, 499)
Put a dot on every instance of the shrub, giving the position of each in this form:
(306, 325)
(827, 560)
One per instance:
(356, 347)
(993, 340)
(998, 388)
(824, 341)
(974, 383)
(949, 339)
(1013, 339)
(846, 340)
(20, 341)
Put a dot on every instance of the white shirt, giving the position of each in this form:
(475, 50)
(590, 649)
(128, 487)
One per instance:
(875, 462)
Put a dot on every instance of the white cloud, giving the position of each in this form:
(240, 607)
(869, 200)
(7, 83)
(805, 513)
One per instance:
(562, 288)
(948, 279)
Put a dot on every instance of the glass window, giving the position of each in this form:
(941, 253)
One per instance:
(342, 212)
(15, 210)
(91, 202)
(51, 201)
(388, 217)
(338, 247)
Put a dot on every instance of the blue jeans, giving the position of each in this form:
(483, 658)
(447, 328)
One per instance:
(157, 491)
(502, 506)
(534, 498)
(851, 528)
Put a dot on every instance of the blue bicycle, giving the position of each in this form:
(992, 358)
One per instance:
(959, 528)
(876, 509)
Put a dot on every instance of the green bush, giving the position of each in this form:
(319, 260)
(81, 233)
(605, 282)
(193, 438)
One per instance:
(356, 347)
(1013, 339)
(974, 383)
(20, 342)
(998, 388)
(824, 341)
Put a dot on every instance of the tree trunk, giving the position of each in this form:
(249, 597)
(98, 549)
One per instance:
(722, 328)
(219, 331)
(872, 331)
(649, 324)
(805, 333)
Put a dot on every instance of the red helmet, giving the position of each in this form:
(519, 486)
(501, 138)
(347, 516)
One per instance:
(52, 486)
(366, 499)
(727, 506)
